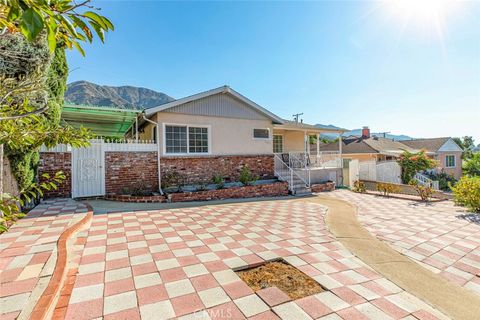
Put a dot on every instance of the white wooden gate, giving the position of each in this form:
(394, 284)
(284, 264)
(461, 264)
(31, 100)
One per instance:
(367, 170)
(88, 170)
(353, 172)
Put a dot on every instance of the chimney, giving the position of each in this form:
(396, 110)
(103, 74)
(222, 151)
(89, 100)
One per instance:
(365, 132)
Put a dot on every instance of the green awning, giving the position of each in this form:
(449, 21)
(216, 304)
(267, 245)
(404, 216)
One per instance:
(102, 121)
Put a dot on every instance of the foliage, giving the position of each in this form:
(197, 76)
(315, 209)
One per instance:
(62, 21)
(444, 179)
(411, 163)
(471, 167)
(219, 181)
(467, 193)
(246, 177)
(140, 189)
(11, 206)
(467, 144)
(359, 186)
(387, 188)
(173, 179)
(424, 192)
(202, 186)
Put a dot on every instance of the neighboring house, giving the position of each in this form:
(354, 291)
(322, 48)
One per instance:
(445, 150)
(218, 131)
(367, 148)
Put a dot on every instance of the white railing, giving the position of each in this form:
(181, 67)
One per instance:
(324, 159)
(285, 173)
(426, 181)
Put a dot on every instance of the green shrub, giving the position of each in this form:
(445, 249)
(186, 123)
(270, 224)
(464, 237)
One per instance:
(424, 192)
(444, 179)
(246, 176)
(219, 181)
(173, 179)
(471, 167)
(359, 186)
(411, 163)
(467, 193)
(387, 188)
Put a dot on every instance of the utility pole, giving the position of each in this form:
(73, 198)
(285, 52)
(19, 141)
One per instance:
(296, 115)
(384, 133)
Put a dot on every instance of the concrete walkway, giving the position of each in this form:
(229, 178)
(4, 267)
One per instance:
(456, 302)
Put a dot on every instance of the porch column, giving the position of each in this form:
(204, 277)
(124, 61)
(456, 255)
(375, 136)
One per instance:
(340, 149)
(307, 144)
(318, 145)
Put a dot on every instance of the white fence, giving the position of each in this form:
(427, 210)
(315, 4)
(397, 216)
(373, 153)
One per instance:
(387, 171)
(111, 146)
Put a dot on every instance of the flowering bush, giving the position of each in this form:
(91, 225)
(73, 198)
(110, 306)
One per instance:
(411, 163)
(387, 188)
(467, 193)
(359, 186)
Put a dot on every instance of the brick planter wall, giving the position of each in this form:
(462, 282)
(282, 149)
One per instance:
(262, 190)
(137, 199)
(52, 162)
(322, 187)
(130, 170)
(198, 169)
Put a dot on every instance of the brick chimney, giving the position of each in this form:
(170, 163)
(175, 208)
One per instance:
(365, 132)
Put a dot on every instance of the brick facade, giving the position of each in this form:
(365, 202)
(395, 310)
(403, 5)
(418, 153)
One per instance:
(263, 190)
(52, 162)
(201, 169)
(322, 187)
(128, 171)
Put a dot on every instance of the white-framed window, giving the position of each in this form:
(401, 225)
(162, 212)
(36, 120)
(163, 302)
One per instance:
(186, 139)
(277, 143)
(450, 161)
(261, 133)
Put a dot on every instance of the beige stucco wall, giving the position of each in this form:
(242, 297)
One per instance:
(228, 136)
(360, 156)
(455, 171)
(292, 140)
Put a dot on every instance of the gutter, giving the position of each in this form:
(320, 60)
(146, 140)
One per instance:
(158, 153)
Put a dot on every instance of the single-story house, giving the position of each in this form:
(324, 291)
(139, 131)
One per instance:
(368, 148)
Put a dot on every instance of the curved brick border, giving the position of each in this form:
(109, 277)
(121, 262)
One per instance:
(451, 299)
(48, 296)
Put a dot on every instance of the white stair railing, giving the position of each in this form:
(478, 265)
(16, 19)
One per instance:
(300, 161)
(426, 181)
(285, 173)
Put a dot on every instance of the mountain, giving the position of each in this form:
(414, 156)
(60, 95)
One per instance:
(128, 97)
(358, 132)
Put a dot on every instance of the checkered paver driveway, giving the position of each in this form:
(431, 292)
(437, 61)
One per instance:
(27, 252)
(178, 263)
(440, 236)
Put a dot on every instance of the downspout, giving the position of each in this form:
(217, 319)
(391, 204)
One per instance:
(158, 153)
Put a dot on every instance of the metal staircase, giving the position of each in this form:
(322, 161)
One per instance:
(298, 180)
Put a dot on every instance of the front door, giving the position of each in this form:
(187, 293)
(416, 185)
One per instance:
(88, 170)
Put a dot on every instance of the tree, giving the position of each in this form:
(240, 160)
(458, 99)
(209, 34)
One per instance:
(63, 21)
(411, 163)
(467, 145)
(471, 167)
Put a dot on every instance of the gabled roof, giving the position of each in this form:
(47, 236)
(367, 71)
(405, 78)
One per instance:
(224, 90)
(431, 145)
(354, 144)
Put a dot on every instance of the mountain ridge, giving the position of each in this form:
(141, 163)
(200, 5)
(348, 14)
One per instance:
(125, 97)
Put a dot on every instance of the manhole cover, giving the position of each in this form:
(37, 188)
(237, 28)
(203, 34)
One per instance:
(282, 275)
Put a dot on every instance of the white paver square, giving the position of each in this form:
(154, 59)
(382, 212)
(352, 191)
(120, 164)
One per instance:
(118, 274)
(291, 310)
(119, 302)
(195, 270)
(167, 264)
(86, 293)
(179, 288)
(331, 301)
(251, 305)
(147, 280)
(91, 268)
(226, 276)
(214, 296)
(157, 311)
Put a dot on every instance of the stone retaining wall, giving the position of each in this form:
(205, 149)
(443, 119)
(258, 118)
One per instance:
(404, 189)
(322, 187)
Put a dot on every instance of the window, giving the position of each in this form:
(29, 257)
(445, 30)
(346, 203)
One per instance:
(277, 143)
(450, 161)
(261, 133)
(197, 140)
(178, 141)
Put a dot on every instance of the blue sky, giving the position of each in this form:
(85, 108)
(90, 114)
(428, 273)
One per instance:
(347, 63)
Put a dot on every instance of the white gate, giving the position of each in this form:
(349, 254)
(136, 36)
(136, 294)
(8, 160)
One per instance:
(88, 170)
(353, 172)
(367, 170)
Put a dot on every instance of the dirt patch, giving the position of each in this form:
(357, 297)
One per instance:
(282, 275)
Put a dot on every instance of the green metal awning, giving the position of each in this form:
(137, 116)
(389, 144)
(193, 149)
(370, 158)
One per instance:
(102, 121)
